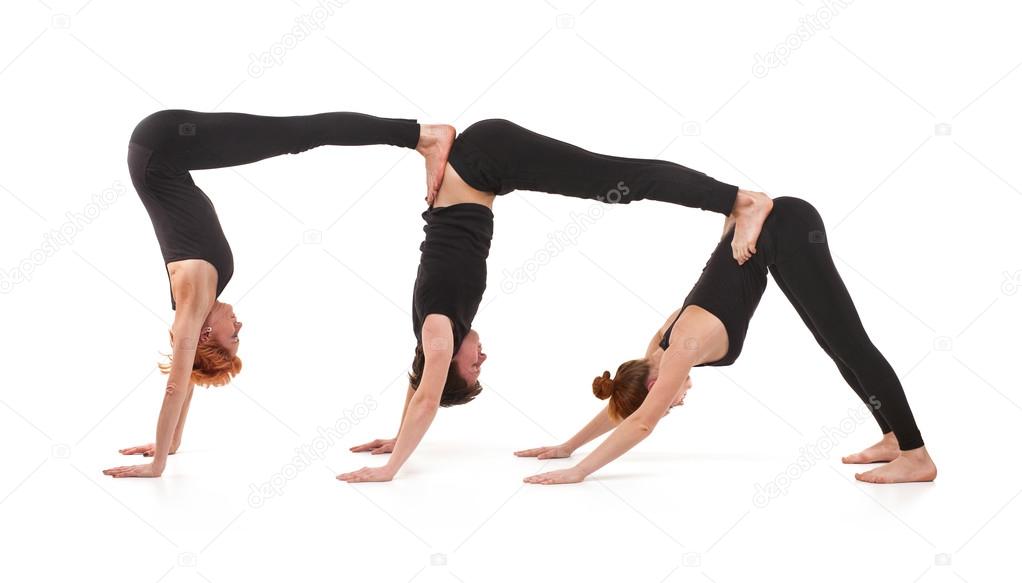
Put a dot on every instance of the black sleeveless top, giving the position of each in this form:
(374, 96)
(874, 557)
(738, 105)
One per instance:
(729, 291)
(452, 270)
(183, 217)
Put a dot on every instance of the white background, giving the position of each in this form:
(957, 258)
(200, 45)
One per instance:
(922, 222)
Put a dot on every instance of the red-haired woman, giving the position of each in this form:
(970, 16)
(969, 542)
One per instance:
(162, 151)
(491, 158)
(709, 330)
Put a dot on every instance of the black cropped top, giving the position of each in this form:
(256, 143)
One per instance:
(452, 269)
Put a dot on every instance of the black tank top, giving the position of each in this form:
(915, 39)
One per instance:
(730, 292)
(452, 270)
(183, 217)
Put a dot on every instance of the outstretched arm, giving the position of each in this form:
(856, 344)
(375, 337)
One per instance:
(378, 446)
(600, 424)
(177, 396)
(149, 449)
(438, 347)
(674, 368)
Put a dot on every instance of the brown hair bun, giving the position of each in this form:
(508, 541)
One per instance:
(603, 386)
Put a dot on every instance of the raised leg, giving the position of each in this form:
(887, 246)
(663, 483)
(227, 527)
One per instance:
(499, 156)
(191, 140)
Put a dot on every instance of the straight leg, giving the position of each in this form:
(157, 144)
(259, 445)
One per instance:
(190, 140)
(805, 268)
(846, 373)
(499, 156)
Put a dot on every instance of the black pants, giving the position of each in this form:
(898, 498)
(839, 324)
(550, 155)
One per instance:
(167, 145)
(495, 155)
(197, 141)
(796, 252)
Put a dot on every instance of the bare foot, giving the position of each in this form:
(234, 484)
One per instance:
(729, 222)
(884, 450)
(751, 209)
(911, 466)
(435, 143)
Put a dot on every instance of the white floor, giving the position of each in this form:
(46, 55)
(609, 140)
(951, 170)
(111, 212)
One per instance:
(900, 123)
(685, 505)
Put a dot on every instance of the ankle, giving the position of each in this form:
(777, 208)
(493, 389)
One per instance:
(889, 439)
(917, 454)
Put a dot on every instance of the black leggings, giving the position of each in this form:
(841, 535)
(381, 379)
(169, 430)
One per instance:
(495, 155)
(198, 141)
(167, 145)
(798, 257)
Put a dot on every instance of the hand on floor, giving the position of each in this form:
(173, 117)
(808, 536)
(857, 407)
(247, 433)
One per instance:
(376, 446)
(367, 474)
(140, 471)
(567, 476)
(545, 453)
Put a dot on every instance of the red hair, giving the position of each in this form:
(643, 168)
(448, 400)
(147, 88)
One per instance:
(626, 391)
(213, 366)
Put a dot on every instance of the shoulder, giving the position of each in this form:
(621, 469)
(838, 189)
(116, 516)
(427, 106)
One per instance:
(193, 284)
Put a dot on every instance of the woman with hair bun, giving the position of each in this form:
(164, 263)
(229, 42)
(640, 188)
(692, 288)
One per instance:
(491, 158)
(709, 330)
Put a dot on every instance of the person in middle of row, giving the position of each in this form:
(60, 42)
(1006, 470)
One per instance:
(492, 158)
